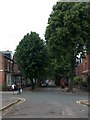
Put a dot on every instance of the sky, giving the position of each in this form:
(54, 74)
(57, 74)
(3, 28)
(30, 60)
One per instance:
(19, 17)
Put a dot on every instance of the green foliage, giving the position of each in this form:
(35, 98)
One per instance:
(68, 28)
(84, 84)
(77, 80)
(31, 56)
(67, 33)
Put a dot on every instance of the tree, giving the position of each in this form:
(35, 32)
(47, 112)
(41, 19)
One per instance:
(67, 33)
(31, 56)
(59, 69)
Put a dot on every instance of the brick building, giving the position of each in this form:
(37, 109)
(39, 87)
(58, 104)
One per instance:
(83, 69)
(9, 71)
(17, 77)
(6, 69)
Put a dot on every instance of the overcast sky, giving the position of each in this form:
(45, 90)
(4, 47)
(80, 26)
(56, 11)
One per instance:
(19, 17)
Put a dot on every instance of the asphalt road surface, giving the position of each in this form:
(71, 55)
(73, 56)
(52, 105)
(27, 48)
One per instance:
(48, 103)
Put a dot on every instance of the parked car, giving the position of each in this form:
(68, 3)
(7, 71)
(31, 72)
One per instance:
(51, 84)
(44, 84)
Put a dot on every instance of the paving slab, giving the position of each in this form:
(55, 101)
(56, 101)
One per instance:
(7, 101)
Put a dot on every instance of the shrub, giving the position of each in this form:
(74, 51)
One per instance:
(84, 84)
(77, 80)
(88, 82)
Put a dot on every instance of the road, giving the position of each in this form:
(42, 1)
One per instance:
(49, 103)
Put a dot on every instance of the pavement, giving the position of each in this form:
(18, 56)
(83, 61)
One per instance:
(78, 90)
(9, 101)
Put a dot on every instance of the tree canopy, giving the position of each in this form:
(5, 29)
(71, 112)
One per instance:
(31, 56)
(67, 33)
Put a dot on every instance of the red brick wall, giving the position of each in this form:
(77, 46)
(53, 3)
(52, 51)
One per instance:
(16, 69)
(4, 61)
(1, 68)
(84, 66)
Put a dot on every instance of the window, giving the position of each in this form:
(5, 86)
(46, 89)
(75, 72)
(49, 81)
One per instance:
(8, 65)
(8, 79)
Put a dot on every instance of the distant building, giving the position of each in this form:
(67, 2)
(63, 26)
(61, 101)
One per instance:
(83, 69)
(17, 77)
(8, 54)
(9, 71)
(6, 69)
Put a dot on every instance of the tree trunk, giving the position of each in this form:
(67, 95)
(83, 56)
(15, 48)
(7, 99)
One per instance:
(32, 84)
(70, 83)
(38, 82)
(71, 74)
